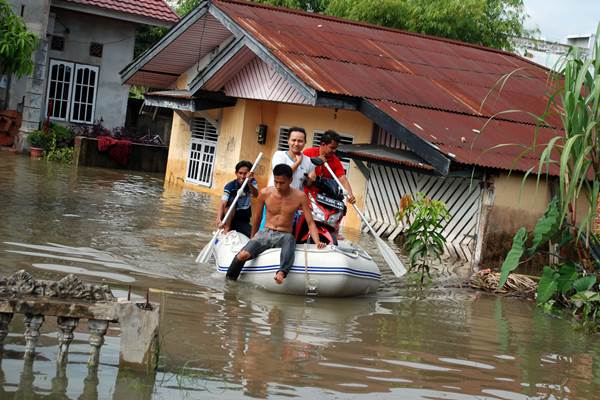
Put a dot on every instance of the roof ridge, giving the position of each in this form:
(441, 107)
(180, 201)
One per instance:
(249, 3)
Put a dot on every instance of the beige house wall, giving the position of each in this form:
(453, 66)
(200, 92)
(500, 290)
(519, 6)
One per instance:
(517, 204)
(238, 141)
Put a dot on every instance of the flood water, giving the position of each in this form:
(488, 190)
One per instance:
(230, 341)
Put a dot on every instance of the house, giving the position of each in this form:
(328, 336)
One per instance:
(83, 44)
(414, 112)
(548, 53)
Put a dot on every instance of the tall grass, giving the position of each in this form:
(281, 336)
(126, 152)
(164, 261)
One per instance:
(576, 154)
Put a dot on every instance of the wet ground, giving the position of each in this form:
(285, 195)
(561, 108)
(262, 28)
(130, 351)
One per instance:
(229, 341)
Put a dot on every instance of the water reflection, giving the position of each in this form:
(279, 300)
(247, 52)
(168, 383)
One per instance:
(223, 340)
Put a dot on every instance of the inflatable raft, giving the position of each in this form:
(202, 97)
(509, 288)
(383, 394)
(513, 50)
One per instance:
(334, 271)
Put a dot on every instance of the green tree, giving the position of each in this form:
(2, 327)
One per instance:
(16, 43)
(489, 23)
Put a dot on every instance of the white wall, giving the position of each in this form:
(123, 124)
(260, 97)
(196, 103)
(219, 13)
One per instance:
(118, 38)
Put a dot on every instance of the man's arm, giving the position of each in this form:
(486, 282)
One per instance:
(344, 181)
(221, 213)
(257, 216)
(297, 161)
(312, 228)
(252, 184)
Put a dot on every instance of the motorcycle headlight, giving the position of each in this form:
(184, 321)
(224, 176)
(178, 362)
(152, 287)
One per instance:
(317, 214)
(334, 218)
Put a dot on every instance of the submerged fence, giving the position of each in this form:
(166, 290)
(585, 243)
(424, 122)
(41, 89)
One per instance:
(70, 301)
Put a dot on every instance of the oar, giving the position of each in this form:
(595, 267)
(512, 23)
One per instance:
(388, 254)
(206, 251)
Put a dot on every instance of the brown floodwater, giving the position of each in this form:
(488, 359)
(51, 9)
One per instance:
(230, 341)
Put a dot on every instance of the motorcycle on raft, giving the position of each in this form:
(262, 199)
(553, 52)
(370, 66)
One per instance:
(326, 201)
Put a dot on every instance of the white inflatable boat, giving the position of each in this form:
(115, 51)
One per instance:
(334, 271)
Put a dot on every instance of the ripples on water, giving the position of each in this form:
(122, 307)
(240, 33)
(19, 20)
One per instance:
(228, 340)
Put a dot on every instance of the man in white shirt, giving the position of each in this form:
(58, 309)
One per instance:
(300, 163)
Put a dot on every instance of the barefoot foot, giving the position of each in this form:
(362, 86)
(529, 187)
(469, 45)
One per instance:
(279, 277)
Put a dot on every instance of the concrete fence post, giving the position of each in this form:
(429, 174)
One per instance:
(66, 327)
(97, 329)
(33, 323)
(5, 319)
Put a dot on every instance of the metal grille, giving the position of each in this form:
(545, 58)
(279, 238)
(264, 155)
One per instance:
(96, 49)
(203, 150)
(284, 135)
(57, 43)
(345, 139)
(59, 89)
(84, 93)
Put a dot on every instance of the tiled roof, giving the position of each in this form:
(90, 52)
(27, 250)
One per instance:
(435, 83)
(156, 9)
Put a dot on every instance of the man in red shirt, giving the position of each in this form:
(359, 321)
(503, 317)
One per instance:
(326, 152)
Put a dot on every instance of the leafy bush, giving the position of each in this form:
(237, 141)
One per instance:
(60, 144)
(38, 139)
(424, 238)
(61, 154)
(65, 137)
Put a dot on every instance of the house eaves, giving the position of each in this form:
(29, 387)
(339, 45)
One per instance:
(264, 53)
(184, 100)
(177, 51)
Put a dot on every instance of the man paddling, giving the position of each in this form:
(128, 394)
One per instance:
(281, 202)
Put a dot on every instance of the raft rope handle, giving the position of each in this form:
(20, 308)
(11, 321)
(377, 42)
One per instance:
(306, 278)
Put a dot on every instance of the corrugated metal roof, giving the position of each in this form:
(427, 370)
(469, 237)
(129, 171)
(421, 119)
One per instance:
(157, 9)
(436, 82)
(469, 139)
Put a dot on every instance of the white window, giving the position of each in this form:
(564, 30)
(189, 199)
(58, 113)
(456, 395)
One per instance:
(284, 135)
(84, 93)
(345, 139)
(203, 150)
(71, 91)
(59, 89)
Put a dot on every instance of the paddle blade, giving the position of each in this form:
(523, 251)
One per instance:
(204, 256)
(390, 258)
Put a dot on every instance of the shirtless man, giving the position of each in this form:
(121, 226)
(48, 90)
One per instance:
(282, 201)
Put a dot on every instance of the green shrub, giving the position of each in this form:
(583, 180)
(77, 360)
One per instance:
(65, 137)
(424, 238)
(61, 154)
(38, 139)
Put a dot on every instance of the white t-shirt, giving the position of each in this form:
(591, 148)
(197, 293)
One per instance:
(282, 157)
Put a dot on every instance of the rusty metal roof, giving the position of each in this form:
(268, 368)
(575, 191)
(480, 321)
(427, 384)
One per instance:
(436, 83)
(472, 140)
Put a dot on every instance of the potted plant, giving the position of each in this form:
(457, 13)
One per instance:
(37, 141)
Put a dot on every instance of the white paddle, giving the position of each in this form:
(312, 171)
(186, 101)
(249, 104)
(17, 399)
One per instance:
(206, 251)
(386, 251)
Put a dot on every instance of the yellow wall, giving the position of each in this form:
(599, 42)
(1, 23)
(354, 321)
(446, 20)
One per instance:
(237, 141)
(516, 206)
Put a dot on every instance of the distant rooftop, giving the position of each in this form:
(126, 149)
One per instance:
(155, 9)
